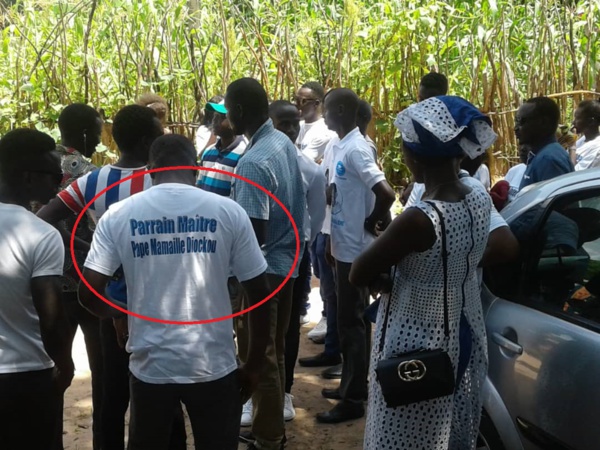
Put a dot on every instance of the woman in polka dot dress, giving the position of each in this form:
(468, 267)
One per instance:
(436, 134)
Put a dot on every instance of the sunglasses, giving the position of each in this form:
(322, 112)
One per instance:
(301, 101)
(57, 177)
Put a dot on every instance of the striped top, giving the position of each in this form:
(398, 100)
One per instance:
(227, 160)
(81, 191)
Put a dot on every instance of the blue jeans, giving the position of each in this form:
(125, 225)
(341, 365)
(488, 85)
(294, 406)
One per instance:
(328, 293)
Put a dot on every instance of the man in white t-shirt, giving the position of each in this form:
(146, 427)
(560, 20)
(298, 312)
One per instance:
(361, 198)
(35, 361)
(286, 118)
(314, 134)
(177, 245)
(587, 121)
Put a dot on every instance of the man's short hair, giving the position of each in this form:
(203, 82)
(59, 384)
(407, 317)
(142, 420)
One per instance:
(131, 124)
(591, 109)
(172, 150)
(250, 94)
(346, 97)
(21, 148)
(546, 107)
(156, 102)
(277, 106)
(75, 118)
(316, 88)
(435, 83)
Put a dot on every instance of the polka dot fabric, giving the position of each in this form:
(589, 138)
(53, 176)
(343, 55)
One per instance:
(416, 321)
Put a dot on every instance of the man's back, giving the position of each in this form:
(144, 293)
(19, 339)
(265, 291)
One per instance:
(271, 161)
(177, 244)
(30, 248)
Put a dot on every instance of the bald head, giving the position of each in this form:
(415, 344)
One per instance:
(340, 109)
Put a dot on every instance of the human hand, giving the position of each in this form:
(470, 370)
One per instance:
(122, 330)
(381, 285)
(63, 376)
(328, 256)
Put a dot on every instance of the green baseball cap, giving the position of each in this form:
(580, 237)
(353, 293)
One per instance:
(217, 107)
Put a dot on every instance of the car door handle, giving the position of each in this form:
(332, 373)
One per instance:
(506, 343)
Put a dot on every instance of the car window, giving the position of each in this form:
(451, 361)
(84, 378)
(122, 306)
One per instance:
(559, 267)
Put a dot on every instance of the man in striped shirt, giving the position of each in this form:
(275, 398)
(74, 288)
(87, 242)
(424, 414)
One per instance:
(225, 155)
(134, 129)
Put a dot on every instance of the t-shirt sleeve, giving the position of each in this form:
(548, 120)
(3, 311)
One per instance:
(247, 260)
(49, 256)
(253, 200)
(73, 195)
(415, 195)
(496, 220)
(103, 256)
(365, 166)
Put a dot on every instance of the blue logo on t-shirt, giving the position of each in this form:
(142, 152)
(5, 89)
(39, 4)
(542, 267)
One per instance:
(340, 169)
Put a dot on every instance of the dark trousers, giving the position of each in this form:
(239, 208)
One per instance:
(292, 338)
(214, 409)
(328, 293)
(28, 410)
(115, 398)
(77, 315)
(355, 335)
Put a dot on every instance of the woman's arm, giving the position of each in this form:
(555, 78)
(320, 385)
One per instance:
(412, 231)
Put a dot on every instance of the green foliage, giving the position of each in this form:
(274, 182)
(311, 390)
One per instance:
(494, 52)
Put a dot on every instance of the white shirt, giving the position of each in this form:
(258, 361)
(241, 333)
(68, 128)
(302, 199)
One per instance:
(483, 175)
(313, 138)
(313, 180)
(327, 171)
(203, 135)
(514, 176)
(587, 153)
(29, 248)
(176, 272)
(354, 172)
(496, 220)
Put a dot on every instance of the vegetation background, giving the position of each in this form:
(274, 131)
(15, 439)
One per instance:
(495, 53)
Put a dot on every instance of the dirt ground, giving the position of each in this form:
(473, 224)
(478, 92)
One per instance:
(302, 432)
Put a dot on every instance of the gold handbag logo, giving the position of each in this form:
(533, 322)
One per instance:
(413, 370)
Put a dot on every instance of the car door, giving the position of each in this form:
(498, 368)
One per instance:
(543, 326)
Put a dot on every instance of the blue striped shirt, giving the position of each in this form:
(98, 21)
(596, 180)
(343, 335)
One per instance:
(222, 159)
(271, 161)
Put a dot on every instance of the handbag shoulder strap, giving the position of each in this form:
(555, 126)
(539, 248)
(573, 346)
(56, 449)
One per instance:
(387, 311)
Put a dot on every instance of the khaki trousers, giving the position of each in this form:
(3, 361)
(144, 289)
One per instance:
(268, 426)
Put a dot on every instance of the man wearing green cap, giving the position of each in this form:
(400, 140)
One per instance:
(224, 155)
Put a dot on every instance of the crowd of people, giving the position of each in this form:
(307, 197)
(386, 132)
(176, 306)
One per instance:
(196, 245)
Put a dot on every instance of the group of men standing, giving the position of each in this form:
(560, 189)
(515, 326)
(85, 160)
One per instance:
(168, 251)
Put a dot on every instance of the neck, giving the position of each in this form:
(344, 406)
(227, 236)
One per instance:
(128, 161)
(11, 196)
(179, 177)
(226, 141)
(71, 144)
(590, 135)
(253, 127)
(443, 175)
(312, 118)
(345, 130)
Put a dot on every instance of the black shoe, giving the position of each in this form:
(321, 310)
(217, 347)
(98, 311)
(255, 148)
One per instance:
(332, 394)
(320, 360)
(342, 412)
(318, 340)
(333, 373)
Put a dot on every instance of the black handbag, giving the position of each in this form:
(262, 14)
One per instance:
(421, 374)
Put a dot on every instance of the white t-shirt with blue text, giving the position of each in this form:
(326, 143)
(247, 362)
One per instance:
(177, 245)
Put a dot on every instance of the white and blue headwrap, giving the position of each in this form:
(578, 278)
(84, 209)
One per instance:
(445, 126)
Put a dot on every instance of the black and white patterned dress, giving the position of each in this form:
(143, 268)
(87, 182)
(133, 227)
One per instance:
(416, 321)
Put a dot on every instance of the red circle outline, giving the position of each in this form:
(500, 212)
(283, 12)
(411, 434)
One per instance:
(178, 322)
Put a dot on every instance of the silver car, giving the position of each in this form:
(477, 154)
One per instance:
(542, 317)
